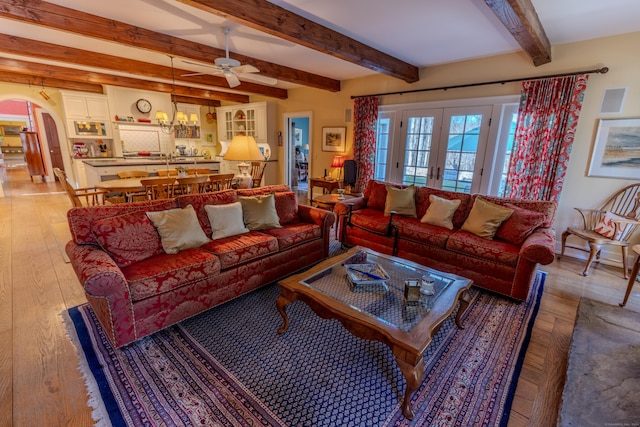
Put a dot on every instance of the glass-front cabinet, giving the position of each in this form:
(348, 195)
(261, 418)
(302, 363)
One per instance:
(257, 119)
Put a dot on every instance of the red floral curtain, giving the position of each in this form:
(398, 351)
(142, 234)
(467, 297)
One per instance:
(364, 138)
(547, 121)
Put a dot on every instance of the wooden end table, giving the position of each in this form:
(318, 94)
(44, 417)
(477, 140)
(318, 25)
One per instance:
(406, 328)
(327, 185)
(328, 202)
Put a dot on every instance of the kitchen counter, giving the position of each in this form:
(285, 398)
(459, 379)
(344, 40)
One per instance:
(142, 161)
(91, 171)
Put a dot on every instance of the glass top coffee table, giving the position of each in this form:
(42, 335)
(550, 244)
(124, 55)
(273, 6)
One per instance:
(365, 291)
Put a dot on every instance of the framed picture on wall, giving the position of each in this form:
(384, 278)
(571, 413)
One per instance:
(616, 152)
(297, 137)
(334, 139)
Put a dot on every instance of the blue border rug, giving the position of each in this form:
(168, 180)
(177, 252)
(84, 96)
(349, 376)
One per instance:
(229, 367)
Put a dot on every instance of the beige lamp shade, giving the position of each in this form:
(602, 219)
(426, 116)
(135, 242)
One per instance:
(244, 148)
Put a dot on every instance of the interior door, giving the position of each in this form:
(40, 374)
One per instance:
(51, 131)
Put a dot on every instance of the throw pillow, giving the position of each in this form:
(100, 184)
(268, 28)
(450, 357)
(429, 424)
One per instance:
(485, 218)
(127, 238)
(226, 220)
(440, 211)
(179, 229)
(259, 212)
(401, 200)
(607, 228)
(287, 207)
(520, 225)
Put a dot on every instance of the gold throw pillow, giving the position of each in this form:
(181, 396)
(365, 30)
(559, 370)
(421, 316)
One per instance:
(485, 218)
(401, 200)
(440, 211)
(179, 229)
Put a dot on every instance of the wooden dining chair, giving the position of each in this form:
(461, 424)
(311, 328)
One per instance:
(257, 170)
(625, 204)
(88, 196)
(133, 174)
(167, 172)
(159, 188)
(191, 185)
(198, 171)
(221, 181)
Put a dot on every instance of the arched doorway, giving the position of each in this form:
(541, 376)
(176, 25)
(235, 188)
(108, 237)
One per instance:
(51, 132)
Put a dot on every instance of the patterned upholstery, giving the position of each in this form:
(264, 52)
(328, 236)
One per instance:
(506, 264)
(136, 291)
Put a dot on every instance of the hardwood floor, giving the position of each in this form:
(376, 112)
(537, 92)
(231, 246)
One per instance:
(39, 381)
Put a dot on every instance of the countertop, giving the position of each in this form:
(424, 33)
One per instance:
(119, 161)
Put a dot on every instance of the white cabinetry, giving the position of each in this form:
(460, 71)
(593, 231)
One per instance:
(257, 119)
(87, 115)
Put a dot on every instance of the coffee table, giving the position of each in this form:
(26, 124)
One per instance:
(377, 310)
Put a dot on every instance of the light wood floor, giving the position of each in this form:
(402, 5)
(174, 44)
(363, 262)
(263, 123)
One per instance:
(39, 381)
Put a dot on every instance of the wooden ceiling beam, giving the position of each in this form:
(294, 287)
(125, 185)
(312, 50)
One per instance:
(197, 101)
(52, 71)
(37, 49)
(20, 78)
(62, 18)
(521, 19)
(277, 21)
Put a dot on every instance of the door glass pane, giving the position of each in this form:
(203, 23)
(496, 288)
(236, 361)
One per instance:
(462, 146)
(382, 148)
(417, 150)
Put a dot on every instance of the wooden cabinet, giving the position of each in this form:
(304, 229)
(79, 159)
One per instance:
(33, 154)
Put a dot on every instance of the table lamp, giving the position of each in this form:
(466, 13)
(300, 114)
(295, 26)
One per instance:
(338, 162)
(245, 149)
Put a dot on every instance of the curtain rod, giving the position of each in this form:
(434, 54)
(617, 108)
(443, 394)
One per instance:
(602, 70)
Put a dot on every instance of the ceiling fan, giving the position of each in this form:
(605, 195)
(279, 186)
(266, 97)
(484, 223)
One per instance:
(232, 70)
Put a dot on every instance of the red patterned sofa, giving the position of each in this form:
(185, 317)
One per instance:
(136, 289)
(505, 264)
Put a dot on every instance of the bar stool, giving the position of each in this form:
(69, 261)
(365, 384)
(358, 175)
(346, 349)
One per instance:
(634, 274)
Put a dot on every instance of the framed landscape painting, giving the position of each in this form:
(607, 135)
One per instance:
(616, 153)
(334, 139)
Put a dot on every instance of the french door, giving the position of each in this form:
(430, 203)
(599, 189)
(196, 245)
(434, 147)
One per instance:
(442, 148)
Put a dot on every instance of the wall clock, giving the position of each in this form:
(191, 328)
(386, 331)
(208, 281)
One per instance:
(143, 105)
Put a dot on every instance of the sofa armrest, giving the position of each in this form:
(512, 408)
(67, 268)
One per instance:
(320, 217)
(343, 208)
(540, 246)
(97, 271)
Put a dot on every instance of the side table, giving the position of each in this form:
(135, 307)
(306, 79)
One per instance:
(328, 202)
(325, 184)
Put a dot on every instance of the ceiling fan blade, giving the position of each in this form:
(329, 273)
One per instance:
(257, 78)
(245, 69)
(232, 79)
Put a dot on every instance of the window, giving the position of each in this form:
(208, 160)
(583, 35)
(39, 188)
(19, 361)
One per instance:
(456, 145)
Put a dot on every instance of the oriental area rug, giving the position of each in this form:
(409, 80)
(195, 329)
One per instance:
(229, 367)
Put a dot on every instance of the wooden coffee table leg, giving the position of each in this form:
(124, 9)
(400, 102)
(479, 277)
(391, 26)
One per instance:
(282, 303)
(412, 374)
(464, 299)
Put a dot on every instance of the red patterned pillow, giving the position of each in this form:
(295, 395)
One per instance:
(127, 238)
(287, 207)
(519, 225)
(376, 194)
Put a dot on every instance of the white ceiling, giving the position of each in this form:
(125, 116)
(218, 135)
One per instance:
(420, 32)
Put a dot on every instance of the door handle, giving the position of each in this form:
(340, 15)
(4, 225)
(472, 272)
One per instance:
(431, 174)
(438, 175)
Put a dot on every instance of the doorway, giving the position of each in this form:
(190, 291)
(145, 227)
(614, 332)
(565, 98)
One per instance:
(298, 149)
(49, 126)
